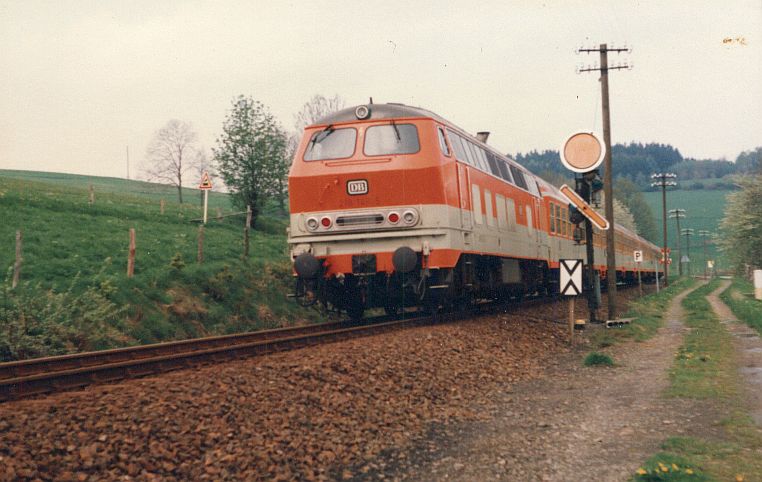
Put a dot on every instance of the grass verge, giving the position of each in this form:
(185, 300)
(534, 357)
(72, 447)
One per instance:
(647, 313)
(738, 297)
(705, 369)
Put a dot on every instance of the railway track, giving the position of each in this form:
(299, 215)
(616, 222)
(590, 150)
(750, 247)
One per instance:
(26, 378)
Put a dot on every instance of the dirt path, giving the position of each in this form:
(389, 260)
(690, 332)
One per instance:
(748, 346)
(576, 423)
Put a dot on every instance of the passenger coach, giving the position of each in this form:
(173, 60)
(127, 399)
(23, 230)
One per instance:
(393, 206)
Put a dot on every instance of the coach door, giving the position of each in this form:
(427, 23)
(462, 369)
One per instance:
(464, 197)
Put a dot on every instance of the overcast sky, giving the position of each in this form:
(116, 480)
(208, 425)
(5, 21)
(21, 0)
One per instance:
(80, 80)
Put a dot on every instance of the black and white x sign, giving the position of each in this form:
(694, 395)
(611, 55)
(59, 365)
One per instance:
(571, 277)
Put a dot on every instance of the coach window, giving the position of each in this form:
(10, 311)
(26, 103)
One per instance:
(493, 164)
(443, 142)
(476, 198)
(552, 218)
(391, 139)
(331, 143)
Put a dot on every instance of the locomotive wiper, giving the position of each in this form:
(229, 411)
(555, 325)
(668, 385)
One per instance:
(396, 131)
(329, 129)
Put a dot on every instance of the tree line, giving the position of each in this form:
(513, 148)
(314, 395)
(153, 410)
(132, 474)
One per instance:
(636, 162)
(252, 155)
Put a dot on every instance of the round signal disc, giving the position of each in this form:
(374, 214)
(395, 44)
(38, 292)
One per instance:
(582, 152)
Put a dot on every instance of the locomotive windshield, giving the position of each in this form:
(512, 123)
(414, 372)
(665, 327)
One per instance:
(391, 139)
(331, 144)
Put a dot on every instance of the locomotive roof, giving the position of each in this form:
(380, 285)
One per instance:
(380, 111)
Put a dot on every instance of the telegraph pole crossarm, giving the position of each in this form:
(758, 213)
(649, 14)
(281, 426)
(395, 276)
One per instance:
(604, 68)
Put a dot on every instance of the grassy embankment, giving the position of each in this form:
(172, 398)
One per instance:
(648, 313)
(740, 298)
(705, 369)
(704, 211)
(75, 295)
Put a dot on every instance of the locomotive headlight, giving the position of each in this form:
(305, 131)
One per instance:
(312, 224)
(410, 217)
(393, 218)
(362, 112)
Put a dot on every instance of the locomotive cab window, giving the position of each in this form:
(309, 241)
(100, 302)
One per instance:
(443, 142)
(331, 143)
(391, 139)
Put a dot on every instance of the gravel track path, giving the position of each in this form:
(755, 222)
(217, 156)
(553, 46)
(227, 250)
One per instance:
(574, 423)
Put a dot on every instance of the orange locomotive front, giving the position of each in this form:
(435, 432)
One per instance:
(381, 214)
(393, 206)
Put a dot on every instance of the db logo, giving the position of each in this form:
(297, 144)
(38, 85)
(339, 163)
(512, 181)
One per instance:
(357, 187)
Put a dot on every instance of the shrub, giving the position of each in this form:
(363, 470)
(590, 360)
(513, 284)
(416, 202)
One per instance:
(598, 359)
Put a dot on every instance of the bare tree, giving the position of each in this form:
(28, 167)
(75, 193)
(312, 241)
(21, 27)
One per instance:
(171, 153)
(317, 108)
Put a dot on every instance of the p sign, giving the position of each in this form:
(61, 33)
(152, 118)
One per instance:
(571, 277)
(637, 255)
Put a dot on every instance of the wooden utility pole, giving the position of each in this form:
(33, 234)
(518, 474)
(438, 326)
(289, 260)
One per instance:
(663, 180)
(161, 206)
(677, 214)
(604, 68)
(704, 233)
(17, 264)
(91, 195)
(246, 232)
(131, 255)
(200, 256)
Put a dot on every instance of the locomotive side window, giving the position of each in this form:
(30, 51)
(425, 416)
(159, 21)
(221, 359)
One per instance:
(331, 144)
(518, 176)
(457, 146)
(476, 198)
(505, 173)
(391, 139)
(443, 142)
(493, 164)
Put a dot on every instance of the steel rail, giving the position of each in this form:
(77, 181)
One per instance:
(25, 378)
(58, 373)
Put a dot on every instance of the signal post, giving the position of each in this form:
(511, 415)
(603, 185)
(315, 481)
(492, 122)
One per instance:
(582, 153)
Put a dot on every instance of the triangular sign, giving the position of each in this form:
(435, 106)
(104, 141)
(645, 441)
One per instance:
(206, 183)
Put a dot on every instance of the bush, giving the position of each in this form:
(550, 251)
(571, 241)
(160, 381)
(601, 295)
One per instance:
(35, 325)
(598, 359)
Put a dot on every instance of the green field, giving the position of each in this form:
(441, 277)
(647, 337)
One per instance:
(72, 247)
(704, 211)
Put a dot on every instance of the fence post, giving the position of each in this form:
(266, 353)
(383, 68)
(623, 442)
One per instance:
(219, 214)
(246, 232)
(161, 206)
(131, 255)
(17, 265)
(200, 256)
(91, 195)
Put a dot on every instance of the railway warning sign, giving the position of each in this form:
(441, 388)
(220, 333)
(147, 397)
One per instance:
(637, 255)
(206, 183)
(587, 210)
(571, 277)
